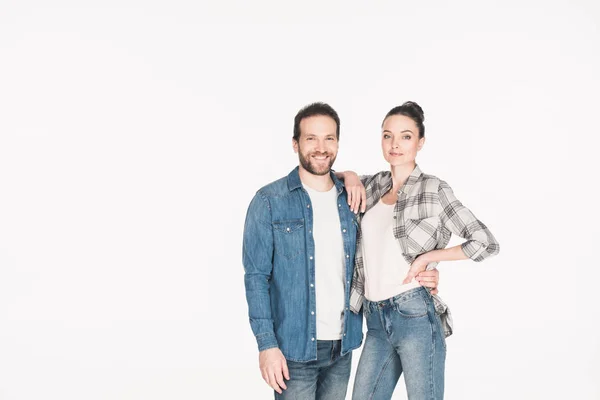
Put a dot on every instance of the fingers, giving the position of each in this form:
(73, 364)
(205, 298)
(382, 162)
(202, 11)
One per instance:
(279, 378)
(414, 270)
(273, 382)
(426, 278)
(363, 199)
(409, 277)
(286, 372)
(265, 376)
(428, 284)
(354, 199)
(434, 291)
(274, 376)
(357, 201)
(349, 194)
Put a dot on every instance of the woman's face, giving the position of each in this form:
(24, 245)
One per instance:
(400, 140)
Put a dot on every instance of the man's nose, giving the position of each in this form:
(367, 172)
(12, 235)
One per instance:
(321, 146)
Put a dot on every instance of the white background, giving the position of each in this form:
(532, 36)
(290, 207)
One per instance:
(133, 135)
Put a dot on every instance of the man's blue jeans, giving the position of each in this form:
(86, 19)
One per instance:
(323, 379)
(404, 336)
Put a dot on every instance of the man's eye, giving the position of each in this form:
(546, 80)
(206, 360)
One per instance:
(386, 136)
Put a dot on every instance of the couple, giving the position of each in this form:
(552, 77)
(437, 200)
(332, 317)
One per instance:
(314, 265)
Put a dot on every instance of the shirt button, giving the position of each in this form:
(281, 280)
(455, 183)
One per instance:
(310, 257)
(308, 206)
(343, 230)
(311, 285)
(287, 229)
(312, 339)
(312, 313)
(347, 256)
(344, 334)
(348, 282)
(339, 205)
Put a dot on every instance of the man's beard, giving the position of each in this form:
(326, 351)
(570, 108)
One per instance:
(307, 163)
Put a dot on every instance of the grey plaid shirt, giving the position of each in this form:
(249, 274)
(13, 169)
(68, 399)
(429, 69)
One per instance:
(425, 216)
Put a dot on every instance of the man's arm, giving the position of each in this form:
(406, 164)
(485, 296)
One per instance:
(257, 257)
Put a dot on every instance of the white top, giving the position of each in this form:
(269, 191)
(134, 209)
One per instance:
(329, 263)
(385, 266)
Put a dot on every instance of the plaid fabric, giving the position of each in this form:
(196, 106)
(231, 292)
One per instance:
(425, 216)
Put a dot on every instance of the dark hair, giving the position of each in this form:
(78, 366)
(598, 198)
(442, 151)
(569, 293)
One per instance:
(411, 110)
(312, 110)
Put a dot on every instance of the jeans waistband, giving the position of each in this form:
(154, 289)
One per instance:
(370, 306)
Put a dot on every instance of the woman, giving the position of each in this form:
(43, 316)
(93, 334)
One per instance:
(409, 219)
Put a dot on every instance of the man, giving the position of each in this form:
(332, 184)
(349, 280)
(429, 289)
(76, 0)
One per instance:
(298, 256)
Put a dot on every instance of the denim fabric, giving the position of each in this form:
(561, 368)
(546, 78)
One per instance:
(323, 379)
(404, 336)
(278, 258)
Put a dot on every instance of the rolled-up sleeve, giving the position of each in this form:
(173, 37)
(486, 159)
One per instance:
(257, 257)
(457, 218)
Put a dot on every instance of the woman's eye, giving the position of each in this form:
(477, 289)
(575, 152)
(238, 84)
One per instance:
(407, 137)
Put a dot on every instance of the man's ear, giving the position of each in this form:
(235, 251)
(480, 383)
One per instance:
(295, 145)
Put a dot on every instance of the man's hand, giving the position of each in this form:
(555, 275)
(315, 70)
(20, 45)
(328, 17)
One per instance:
(273, 368)
(424, 278)
(357, 195)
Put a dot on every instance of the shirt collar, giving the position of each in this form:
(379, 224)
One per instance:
(386, 180)
(294, 181)
(412, 179)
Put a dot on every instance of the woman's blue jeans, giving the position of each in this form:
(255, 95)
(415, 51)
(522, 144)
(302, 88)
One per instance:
(404, 336)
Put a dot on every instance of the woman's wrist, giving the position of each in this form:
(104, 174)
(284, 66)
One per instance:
(430, 256)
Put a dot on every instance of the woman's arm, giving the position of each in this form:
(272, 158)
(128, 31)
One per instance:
(457, 218)
(357, 196)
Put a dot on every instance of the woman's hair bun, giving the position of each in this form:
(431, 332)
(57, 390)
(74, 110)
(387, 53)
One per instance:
(416, 109)
(413, 111)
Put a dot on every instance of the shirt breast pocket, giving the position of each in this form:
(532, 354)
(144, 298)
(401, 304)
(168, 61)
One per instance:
(421, 234)
(289, 238)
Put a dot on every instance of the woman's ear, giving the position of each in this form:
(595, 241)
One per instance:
(421, 143)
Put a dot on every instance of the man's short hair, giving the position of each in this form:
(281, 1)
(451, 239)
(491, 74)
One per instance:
(312, 110)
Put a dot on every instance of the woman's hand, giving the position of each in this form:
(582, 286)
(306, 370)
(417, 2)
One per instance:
(357, 195)
(429, 279)
(425, 278)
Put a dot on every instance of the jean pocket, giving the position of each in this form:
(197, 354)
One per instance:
(414, 307)
(289, 237)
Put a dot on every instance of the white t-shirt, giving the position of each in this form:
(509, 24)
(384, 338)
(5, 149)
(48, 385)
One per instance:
(329, 263)
(385, 266)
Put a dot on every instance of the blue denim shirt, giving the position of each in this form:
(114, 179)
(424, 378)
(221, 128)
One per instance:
(278, 257)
